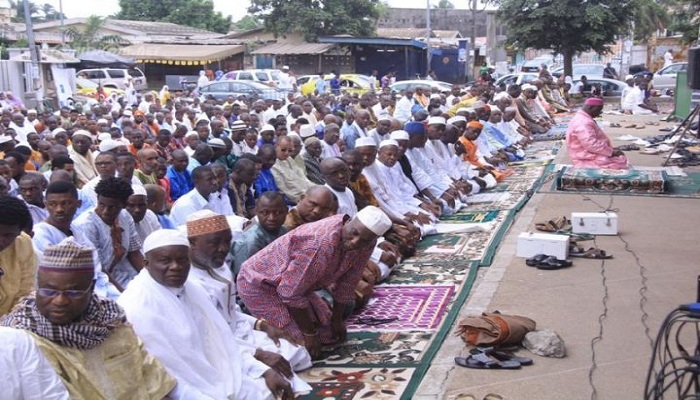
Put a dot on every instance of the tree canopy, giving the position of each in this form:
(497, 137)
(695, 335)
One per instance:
(684, 17)
(247, 23)
(39, 12)
(195, 13)
(566, 27)
(314, 18)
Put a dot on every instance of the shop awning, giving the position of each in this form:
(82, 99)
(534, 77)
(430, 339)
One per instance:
(47, 56)
(180, 54)
(294, 48)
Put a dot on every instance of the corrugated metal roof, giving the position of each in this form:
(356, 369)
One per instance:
(294, 48)
(178, 53)
(401, 33)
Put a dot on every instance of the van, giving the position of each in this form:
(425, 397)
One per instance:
(115, 77)
(268, 76)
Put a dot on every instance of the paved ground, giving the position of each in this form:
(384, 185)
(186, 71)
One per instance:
(661, 232)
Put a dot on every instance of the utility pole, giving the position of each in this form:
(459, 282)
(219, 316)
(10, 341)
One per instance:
(472, 58)
(427, 35)
(34, 72)
(63, 31)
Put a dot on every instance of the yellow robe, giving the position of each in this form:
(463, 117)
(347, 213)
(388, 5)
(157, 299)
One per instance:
(118, 369)
(19, 263)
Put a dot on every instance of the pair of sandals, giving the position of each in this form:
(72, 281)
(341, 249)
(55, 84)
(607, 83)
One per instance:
(490, 358)
(592, 253)
(547, 262)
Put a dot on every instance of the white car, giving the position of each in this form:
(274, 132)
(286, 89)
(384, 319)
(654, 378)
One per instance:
(267, 76)
(578, 70)
(114, 77)
(413, 84)
(665, 78)
(516, 79)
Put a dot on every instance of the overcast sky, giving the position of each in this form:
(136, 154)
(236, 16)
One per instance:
(235, 8)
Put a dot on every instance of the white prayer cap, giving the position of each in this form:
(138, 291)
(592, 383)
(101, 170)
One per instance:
(23, 144)
(201, 117)
(527, 86)
(139, 190)
(567, 79)
(365, 142)
(384, 117)
(628, 77)
(32, 111)
(127, 113)
(55, 131)
(434, 96)
(388, 142)
(82, 132)
(306, 131)
(239, 125)
(192, 133)
(164, 237)
(436, 121)
(374, 219)
(104, 136)
(267, 127)
(458, 118)
(511, 109)
(499, 96)
(285, 67)
(5, 138)
(399, 135)
(478, 104)
(108, 144)
(217, 143)
(102, 121)
(464, 109)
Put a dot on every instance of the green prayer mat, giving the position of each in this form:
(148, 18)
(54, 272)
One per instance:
(612, 180)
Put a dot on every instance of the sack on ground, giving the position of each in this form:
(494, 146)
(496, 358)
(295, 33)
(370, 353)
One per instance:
(494, 328)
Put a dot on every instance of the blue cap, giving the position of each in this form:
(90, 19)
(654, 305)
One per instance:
(414, 128)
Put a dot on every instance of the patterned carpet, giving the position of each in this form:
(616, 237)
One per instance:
(403, 307)
(425, 292)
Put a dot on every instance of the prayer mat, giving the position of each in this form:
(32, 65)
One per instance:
(612, 180)
(429, 273)
(470, 217)
(551, 135)
(337, 383)
(371, 349)
(403, 308)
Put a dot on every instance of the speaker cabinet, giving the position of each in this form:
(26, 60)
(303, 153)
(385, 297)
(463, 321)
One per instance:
(694, 68)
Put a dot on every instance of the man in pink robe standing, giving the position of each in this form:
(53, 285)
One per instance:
(589, 146)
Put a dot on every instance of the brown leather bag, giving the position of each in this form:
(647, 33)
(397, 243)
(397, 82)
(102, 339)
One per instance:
(494, 328)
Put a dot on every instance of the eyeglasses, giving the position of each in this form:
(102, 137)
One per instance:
(71, 294)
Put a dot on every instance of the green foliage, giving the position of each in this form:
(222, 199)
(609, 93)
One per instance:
(685, 18)
(314, 18)
(89, 38)
(42, 13)
(445, 4)
(649, 16)
(195, 13)
(566, 27)
(247, 23)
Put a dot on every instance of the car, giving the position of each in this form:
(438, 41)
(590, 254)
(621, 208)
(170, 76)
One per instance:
(609, 87)
(516, 79)
(665, 78)
(442, 87)
(88, 88)
(115, 77)
(349, 83)
(535, 64)
(222, 89)
(267, 76)
(578, 70)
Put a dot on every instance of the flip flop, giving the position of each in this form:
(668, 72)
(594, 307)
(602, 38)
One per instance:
(592, 253)
(535, 260)
(554, 225)
(551, 263)
(502, 355)
(482, 361)
(493, 396)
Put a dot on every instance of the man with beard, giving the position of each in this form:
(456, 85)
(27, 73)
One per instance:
(82, 156)
(85, 337)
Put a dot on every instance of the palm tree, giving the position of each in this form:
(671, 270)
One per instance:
(89, 37)
(49, 12)
(19, 7)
